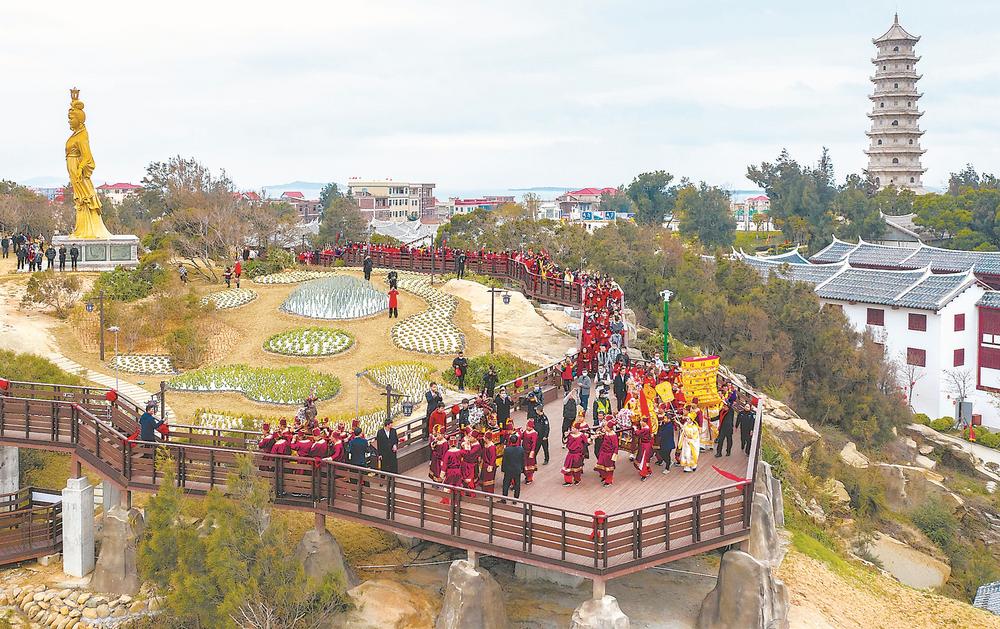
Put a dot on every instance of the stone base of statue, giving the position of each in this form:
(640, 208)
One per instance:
(102, 254)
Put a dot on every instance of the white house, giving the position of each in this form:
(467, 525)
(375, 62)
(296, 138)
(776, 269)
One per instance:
(929, 325)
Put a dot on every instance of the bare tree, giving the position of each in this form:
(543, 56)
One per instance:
(909, 376)
(959, 383)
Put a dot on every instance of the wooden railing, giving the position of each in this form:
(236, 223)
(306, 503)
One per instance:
(29, 528)
(40, 416)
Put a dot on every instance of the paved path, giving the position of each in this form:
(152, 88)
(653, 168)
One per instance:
(134, 392)
(988, 455)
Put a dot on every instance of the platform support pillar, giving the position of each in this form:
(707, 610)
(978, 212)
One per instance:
(78, 527)
(473, 559)
(319, 522)
(10, 470)
(600, 587)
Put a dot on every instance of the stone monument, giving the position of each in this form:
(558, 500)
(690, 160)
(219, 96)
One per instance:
(99, 249)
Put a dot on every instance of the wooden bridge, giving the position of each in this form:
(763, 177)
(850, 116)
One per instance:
(30, 524)
(587, 530)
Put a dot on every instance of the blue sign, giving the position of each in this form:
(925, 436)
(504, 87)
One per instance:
(609, 215)
(90, 306)
(588, 216)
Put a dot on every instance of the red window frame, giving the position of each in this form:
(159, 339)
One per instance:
(876, 316)
(958, 358)
(960, 322)
(917, 322)
(916, 357)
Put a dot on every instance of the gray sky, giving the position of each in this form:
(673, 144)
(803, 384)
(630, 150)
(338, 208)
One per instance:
(476, 95)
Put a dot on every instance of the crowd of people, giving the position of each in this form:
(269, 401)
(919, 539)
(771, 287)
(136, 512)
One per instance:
(33, 253)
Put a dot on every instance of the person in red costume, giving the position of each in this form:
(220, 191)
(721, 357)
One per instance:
(529, 439)
(438, 445)
(283, 445)
(572, 469)
(488, 475)
(607, 454)
(452, 462)
(644, 437)
(267, 439)
(471, 453)
(335, 450)
(320, 446)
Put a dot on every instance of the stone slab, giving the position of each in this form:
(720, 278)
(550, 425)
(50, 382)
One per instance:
(98, 254)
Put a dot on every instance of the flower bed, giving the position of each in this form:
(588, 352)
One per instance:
(309, 342)
(339, 297)
(230, 298)
(432, 331)
(292, 277)
(286, 385)
(145, 364)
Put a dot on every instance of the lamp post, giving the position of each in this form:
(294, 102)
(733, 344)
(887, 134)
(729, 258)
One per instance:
(115, 329)
(666, 295)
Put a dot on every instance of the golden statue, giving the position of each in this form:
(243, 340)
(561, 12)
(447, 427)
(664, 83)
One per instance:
(80, 164)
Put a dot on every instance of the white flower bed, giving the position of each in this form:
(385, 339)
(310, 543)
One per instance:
(432, 331)
(230, 298)
(292, 277)
(339, 297)
(145, 364)
(285, 385)
(309, 342)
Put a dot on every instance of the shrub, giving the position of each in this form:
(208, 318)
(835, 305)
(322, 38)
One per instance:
(821, 461)
(937, 522)
(943, 424)
(124, 284)
(984, 437)
(32, 368)
(59, 292)
(865, 487)
(922, 418)
(274, 261)
(509, 367)
(185, 345)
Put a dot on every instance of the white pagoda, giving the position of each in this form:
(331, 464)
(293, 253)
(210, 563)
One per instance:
(894, 152)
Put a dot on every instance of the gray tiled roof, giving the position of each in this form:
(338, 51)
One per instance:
(791, 257)
(988, 597)
(929, 293)
(811, 273)
(868, 285)
(990, 299)
(834, 252)
(939, 260)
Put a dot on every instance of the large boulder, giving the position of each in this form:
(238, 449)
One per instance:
(384, 604)
(850, 456)
(793, 432)
(765, 544)
(912, 567)
(320, 554)
(599, 613)
(472, 599)
(116, 571)
(769, 485)
(907, 486)
(747, 596)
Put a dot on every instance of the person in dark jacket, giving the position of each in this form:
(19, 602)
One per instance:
(725, 430)
(569, 414)
(367, 266)
(745, 420)
(22, 256)
(387, 442)
(50, 257)
(393, 279)
(542, 428)
(513, 467)
(62, 257)
(503, 403)
(74, 255)
(148, 423)
(463, 413)
(357, 450)
(5, 245)
(620, 387)
(490, 380)
(461, 366)
(434, 402)
(460, 265)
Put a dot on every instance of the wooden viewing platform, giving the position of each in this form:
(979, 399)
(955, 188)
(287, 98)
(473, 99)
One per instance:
(30, 524)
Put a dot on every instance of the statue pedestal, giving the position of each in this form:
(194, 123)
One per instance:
(99, 254)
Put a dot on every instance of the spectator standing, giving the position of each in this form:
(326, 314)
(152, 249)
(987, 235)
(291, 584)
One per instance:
(725, 430)
(503, 403)
(745, 420)
(183, 273)
(584, 383)
(62, 257)
(490, 379)
(50, 257)
(227, 275)
(148, 423)
(357, 450)
(434, 402)
(512, 467)
(237, 272)
(568, 414)
(393, 303)
(5, 245)
(460, 365)
(460, 265)
(387, 442)
(367, 267)
(542, 428)
(74, 255)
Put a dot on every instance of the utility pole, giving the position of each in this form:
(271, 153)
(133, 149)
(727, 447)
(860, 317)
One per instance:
(101, 302)
(666, 295)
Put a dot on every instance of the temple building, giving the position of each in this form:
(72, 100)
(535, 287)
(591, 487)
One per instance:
(894, 151)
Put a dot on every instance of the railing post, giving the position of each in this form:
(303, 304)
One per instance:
(390, 489)
(562, 536)
(423, 502)
(696, 518)
(490, 519)
(97, 438)
(359, 490)
(211, 468)
(666, 523)
(27, 420)
(722, 511)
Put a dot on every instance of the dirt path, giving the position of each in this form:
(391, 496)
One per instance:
(518, 328)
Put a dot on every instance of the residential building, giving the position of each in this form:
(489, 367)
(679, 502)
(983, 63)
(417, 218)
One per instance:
(309, 210)
(744, 211)
(385, 199)
(894, 151)
(573, 204)
(941, 331)
(456, 205)
(548, 210)
(118, 192)
(51, 193)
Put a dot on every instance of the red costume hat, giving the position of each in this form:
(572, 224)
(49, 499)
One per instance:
(266, 427)
(531, 424)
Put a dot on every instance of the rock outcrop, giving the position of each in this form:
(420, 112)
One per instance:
(384, 604)
(320, 555)
(747, 595)
(912, 567)
(116, 571)
(602, 613)
(908, 485)
(472, 599)
(793, 432)
(850, 456)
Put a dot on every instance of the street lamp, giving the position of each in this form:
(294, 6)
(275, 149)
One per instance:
(666, 295)
(506, 299)
(115, 329)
